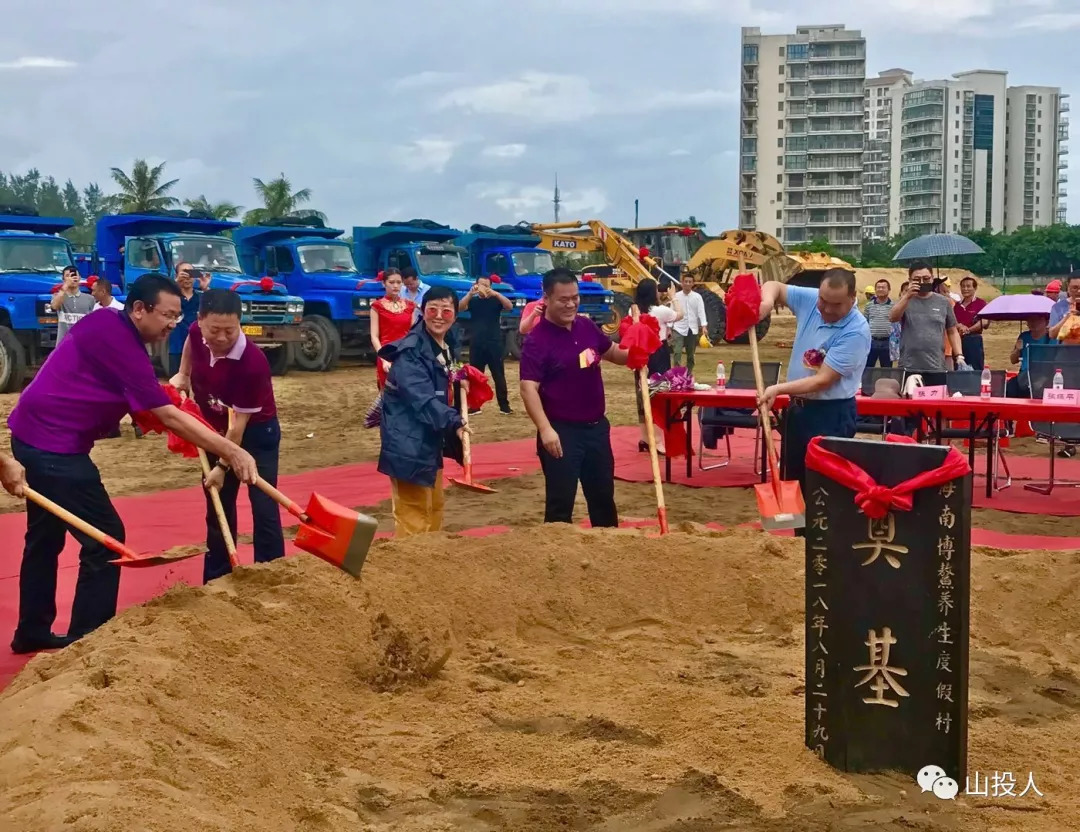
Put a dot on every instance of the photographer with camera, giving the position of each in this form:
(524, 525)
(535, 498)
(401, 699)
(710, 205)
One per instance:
(186, 275)
(926, 320)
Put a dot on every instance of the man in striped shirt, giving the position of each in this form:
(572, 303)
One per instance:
(877, 315)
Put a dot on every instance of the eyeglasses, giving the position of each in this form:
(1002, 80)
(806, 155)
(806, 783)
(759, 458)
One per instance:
(168, 316)
(434, 312)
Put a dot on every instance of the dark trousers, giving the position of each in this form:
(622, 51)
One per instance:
(879, 353)
(587, 458)
(487, 353)
(72, 481)
(1017, 387)
(974, 354)
(261, 440)
(808, 418)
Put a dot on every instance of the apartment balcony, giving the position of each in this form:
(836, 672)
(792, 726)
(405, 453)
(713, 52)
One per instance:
(1063, 164)
(750, 73)
(1063, 149)
(749, 92)
(837, 127)
(1063, 178)
(1063, 107)
(836, 92)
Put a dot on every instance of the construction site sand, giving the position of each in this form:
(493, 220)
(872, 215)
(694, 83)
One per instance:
(538, 680)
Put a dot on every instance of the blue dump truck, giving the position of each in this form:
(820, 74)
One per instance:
(130, 245)
(426, 247)
(510, 252)
(318, 266)
(33, 256)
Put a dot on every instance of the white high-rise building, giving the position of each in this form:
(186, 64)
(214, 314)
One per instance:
(877, 157)
(948, 155)
(801, 135)
(1036, 157)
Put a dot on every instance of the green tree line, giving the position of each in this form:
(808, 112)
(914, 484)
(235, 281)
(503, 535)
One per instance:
(144, 188)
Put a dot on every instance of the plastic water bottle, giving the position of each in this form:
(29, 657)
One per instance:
(1059, 380)
(721, 376)
(984, 383)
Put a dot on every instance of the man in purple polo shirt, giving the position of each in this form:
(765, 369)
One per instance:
(225, 371)
(563, 391)
(98, 373)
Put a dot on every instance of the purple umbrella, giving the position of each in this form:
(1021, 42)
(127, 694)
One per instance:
(1016, 307)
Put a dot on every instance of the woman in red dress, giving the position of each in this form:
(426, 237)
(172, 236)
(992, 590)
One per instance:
(392, 319)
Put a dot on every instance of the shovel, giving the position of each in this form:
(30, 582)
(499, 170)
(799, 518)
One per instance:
(219, 509)
(780, 502)
(128, 557)
(650, 431)
(466, 453)
(328, 530)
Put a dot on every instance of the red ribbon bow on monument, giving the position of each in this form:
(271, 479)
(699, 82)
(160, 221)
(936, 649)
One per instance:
(876, 501)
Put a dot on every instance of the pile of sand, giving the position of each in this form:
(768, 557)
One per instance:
(554, 680)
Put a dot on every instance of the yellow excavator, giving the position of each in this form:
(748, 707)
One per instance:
(631, 263)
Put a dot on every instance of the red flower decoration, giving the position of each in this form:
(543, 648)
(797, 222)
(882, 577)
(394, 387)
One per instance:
(480, 392)
(813, 359)
(640, 338)
(267, 284)
(743, 302)
(149, 423)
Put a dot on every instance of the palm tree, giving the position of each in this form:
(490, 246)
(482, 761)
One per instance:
(217, 210)
(280, 200)
(692, 222)
(143, 190)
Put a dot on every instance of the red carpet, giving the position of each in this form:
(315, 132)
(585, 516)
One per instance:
(177, 516)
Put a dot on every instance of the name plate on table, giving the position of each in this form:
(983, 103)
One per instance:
(937, 391)
(1066, 397)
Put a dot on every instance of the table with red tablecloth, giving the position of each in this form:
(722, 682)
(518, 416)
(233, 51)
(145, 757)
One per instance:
(673, 413)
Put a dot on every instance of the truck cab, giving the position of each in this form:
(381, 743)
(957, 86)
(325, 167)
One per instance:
(510, 252)
(428, 248)
(315, 264)
(130, 245)
(33, 257)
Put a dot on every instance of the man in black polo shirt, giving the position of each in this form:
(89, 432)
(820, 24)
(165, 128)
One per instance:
(485, 307)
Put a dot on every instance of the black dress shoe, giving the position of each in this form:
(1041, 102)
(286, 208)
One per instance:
(643, 448)
(22, 645)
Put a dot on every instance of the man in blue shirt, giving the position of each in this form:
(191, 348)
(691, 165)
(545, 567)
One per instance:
(414, 289)
(1060, 310)
(832, 342)
(189, 310)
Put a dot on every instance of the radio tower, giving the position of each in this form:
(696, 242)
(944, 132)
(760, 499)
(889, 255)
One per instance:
(556, 201)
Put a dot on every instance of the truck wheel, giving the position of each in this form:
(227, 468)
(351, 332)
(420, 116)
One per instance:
(280, 359)
(513, 344)
(620, 308)
(714, 314)
(12, 362)
(319, 348)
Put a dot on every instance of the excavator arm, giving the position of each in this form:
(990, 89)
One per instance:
(617, 250)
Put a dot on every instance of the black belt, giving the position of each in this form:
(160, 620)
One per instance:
(800, 401)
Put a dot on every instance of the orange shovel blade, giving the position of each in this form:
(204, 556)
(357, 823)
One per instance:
(469, 484)
(780, 505)
(338, 535)
(153, 560)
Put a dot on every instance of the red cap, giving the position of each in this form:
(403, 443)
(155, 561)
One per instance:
(1053, 286)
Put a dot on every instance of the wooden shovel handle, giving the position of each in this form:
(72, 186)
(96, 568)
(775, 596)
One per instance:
(94, 533)
(281, 499)
(466, 446)
(763, 411)
(219, 510)
(650, 432)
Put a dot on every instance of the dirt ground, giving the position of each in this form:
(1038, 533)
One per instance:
(322, 417)
(565, 680)
(573, 680)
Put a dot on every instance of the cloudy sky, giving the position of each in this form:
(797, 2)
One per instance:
(459, 112)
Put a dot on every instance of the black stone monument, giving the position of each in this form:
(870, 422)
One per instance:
(887, 617)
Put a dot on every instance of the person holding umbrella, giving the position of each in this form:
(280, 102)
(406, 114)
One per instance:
(926, 319)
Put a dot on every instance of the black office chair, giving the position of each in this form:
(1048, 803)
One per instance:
(870, 378)
(968, 383)
(715, 423)
(1043, 361)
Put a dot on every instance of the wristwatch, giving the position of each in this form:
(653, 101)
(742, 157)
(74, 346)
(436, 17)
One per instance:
(222, 464)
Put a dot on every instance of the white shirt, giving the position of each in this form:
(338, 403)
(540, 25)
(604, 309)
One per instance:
(113, 304)
(693, 308)
(665, 315)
